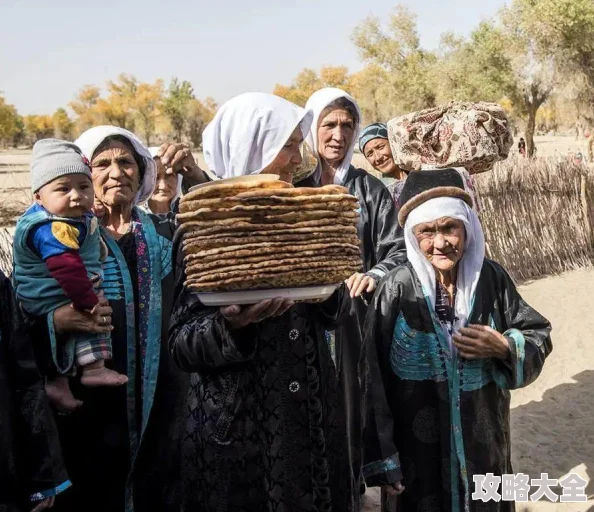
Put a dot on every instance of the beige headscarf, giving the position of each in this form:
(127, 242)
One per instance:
(469, 135)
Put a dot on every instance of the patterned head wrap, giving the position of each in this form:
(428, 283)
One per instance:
(469, 135)
(373, 131)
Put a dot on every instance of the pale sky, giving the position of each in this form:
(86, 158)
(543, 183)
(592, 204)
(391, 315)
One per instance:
(49, 49)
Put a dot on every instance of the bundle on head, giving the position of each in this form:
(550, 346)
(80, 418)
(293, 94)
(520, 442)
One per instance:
(268, 234)
(459, 134)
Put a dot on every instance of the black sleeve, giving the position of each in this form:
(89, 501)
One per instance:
(199, 339)
(387, 234)
(528, 334)
(37, 436)
(381, 464)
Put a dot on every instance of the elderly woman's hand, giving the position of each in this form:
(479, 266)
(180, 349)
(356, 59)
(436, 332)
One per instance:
(360, 283)
(45, 504)
(394, 489)
(68, 319)
(238, 317)
(177, 158)
(481, 342)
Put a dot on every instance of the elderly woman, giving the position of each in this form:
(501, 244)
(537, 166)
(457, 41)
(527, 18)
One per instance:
(448, 336)
(333, 136)
(266, 427)
(374, 145)
(168, 187)
(126, 435)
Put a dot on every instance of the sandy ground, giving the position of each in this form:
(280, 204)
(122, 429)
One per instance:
(553, 419)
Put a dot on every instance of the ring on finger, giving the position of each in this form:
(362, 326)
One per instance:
(104, 320)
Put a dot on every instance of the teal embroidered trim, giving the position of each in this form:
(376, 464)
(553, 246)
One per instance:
(130, 339)
(112, 286)
(381, 466)
(416, 355)
(166, 252)
(153, 346)
(457, 456)
(477, 373)
(518, 338)
(43, 495)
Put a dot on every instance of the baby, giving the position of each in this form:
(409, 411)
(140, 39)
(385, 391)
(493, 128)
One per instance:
(57, 260)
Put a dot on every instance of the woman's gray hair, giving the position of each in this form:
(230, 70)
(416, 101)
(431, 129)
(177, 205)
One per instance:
(342, 103)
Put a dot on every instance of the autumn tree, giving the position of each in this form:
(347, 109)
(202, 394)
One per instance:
(497, 62)
(199, 115)
(147, 105)
(38, 127)
(62, 124)
(396, 49)
(563, 30)
(85, 107)
(117, 108)
(10, 122)
(309, 81)
(176, 105)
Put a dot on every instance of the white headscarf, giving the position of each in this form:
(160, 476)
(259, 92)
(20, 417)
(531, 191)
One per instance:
(470, 265)
(90, 140)
(318, 101)
(249, 131)
(154, 150)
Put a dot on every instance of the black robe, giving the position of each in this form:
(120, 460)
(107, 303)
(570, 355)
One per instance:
(265, 423)
(30, 455)
(122, 447)
(382, 249)
(447, 417)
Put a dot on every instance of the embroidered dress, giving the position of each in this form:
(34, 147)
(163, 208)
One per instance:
(265, 423)
(446, 417)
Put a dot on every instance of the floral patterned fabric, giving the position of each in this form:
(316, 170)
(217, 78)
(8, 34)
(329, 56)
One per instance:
(469, 135)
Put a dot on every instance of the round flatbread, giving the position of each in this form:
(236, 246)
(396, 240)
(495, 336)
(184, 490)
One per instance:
(293, 279)
(191, 260)
(256, 210)
(211, 227)
(288, 217)
(197, 269)
(210, 242)
(269, 248)
(225, 188)
(295, 191)
(272, 270)
(231, 202)
(288, 280)
(290, 234)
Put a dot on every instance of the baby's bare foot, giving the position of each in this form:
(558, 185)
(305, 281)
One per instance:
(96, 377)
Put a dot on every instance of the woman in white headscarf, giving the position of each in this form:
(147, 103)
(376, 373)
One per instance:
(266, 428)
(448, 335)
(333, 136)
(130, 434)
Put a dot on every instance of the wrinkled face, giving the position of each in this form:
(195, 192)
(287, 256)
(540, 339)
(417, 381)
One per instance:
(441, 242)
(379, 155)
(116, 176)
(166, 186)
(68, 196)
(336, 129)
(286, 162)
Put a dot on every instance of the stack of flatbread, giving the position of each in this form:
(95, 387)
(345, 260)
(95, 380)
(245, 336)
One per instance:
(257, 235)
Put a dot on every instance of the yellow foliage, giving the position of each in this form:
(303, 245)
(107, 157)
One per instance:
(38, 127)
